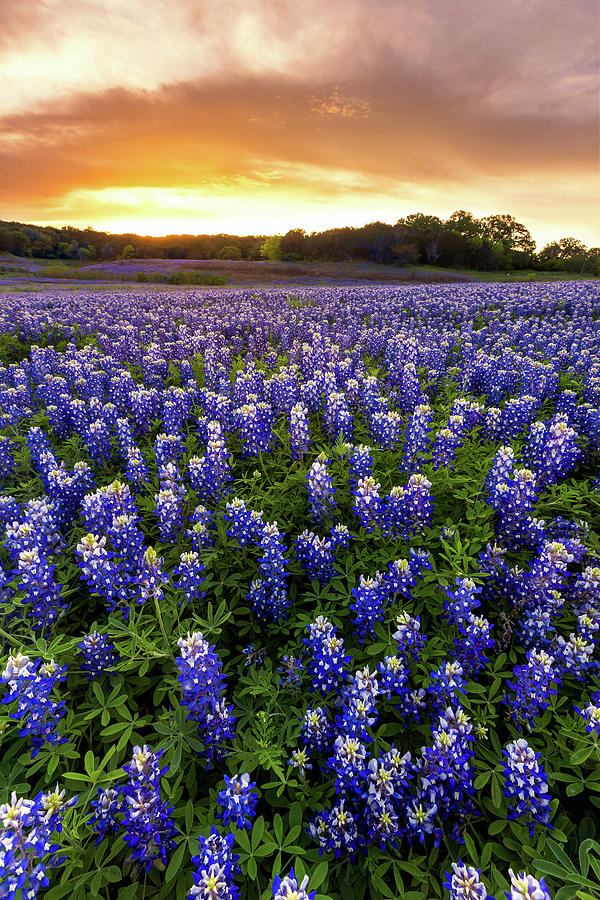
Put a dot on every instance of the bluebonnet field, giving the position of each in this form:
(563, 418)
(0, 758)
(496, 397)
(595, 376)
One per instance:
(301, 594)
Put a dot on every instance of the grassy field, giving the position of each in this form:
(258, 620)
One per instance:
(213, 272)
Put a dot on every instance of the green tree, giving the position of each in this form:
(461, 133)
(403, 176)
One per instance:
(293, 243)
(128, 252)
(229, 251)
(464, 223)
(271, 248)
(505, 230)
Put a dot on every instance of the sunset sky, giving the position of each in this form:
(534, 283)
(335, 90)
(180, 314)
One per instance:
(258, 116)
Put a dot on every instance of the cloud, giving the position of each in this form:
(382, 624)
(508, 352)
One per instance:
(336, 103)
(347, 102)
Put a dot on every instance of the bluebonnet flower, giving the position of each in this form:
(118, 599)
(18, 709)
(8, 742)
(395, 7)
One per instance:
(255, 423)
(190, 577)
(7, 460)
(299, 430)
(526, 887)
(103, 574)
(136, 467)
(289, 888)
(36, 576)
(215, 868)
(168, 448)
(444, 449)
(10, 510)
(465, 883)
(393, 675)
(386, 428)
(552, 449)
(237, 800)
(127, 540)
(299, 760)
(408, 635)
(147, 826)
(370, 599)
(151, 578)
(254, 655)
(526, 785)
(473, 642)
(360, 462)
(97, 439)
(67, 489)
(357, 715)
(170, 515)
(203, 685)
(400, 578)
(316, 729)
(199, 535)
(419, 505)
(421, 819)
(417, 437)
(445, 774)
(340, 536)
(368, 503)
(335, 830)
(574, 656)
(462, 601)
(268, 594)
(245, 525)
(590, 713)
(532, 688)
(31, 684)
(447, 683)
(98, 654)
(291, 670)
(316, 556)
(42, 457)
(209, 474)
(99, 508)
(107, 811)
(28, 841)
(321, 492)
(328, 658)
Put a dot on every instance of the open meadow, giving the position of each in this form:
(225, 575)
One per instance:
(300, 580)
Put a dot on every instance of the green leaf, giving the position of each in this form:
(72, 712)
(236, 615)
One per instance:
(561, 856)
(581, 755)
(496, 791)
(278, 827)
(319, 875)
(257, 832)
(89, 763)
(189, 815)
(175, 862)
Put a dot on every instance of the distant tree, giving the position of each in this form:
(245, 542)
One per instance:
(254, 250)
(504, 229)
(271, 248)
(567, 255)
(464, 223)
(229, 251)
(422, 230)
(293, 244)
(404, 253)
(128, 252)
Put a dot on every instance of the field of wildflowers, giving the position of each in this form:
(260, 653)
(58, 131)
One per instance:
(300, 594)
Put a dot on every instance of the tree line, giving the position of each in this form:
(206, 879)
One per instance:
(496, 242)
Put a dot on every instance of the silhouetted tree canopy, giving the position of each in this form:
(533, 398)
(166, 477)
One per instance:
(493, 242)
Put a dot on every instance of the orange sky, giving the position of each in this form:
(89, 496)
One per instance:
(258, 116)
